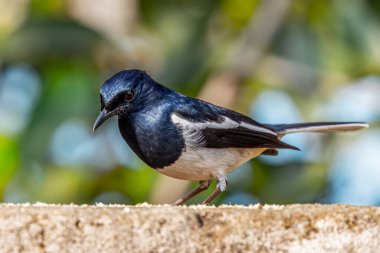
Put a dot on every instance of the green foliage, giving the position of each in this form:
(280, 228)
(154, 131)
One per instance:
(9, 151)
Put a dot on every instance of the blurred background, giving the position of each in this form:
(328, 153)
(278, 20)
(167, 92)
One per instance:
(278, 61)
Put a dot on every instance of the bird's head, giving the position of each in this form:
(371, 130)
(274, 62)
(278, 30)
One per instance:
(126, 92)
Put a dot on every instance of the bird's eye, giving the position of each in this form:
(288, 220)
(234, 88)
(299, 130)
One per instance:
(129, 95)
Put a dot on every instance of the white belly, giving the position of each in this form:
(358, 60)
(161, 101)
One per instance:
(207, 163)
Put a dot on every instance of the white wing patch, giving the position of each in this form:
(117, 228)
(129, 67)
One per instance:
(192, 130)
(257, 128)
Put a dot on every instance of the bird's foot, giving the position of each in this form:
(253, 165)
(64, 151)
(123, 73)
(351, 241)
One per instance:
(220, 187)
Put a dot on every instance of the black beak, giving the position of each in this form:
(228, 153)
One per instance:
(103, 116)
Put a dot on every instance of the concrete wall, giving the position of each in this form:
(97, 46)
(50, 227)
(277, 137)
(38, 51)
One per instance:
(145, 228)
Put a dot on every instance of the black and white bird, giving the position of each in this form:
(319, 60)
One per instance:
(190, 139)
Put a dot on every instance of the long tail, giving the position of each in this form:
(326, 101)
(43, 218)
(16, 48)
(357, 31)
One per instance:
(319, 127)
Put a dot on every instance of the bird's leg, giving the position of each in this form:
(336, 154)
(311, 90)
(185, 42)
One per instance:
(220, 187)
(203, 185)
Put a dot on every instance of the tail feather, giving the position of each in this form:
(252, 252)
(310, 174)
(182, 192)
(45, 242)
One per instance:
(318, 127)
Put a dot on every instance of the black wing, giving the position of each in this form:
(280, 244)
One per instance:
(216, 127)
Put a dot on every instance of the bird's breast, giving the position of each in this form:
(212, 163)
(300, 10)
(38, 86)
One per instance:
(156, 141)
(200, 163)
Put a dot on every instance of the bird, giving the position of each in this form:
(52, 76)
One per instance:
(188, 138)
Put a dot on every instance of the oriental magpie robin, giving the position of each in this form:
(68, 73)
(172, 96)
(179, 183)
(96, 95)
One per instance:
(190, 139)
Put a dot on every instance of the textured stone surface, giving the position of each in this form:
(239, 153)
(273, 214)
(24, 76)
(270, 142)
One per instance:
(146, 228)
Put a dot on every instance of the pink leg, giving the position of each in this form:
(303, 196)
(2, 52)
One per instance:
(203, 185)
